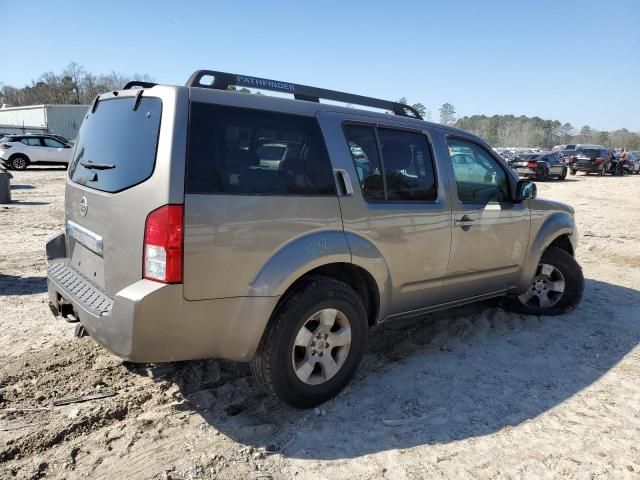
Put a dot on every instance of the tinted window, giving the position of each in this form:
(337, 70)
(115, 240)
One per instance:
(364, 152)
(242, 151)
(406, 156)
(481, 180)
(31, 141)
(408, 166)
(123, 139)
(50, 142)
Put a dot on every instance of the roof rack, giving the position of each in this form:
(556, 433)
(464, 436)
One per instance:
(139, 83)
(222, 81)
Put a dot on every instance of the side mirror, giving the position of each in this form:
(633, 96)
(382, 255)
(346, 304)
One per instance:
(525, 190)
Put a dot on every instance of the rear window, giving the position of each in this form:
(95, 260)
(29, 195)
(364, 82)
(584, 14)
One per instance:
(590, 153)
(116, 146)
(252, 152)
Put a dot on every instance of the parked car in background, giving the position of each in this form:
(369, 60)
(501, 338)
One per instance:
(19, 151)
(540, 166)
(632, 165)
(590, 160)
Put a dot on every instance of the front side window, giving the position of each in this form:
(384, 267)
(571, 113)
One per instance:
(479, 178)
(403, 156)
(252, 152)
(50, 142)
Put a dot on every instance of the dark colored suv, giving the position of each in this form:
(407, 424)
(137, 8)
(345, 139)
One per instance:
(589, 160)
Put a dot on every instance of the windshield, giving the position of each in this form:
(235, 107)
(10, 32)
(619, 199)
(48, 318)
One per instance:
(116, 146)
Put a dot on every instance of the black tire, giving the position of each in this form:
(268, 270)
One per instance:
(572, 171)
(542, 176)
(272, 364)
(19, 162)
(563, 175)
(572, 294)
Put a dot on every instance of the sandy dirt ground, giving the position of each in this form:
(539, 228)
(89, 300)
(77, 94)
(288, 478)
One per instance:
(474, 392)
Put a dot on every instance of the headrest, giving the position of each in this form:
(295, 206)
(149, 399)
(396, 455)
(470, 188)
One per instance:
(396, 155)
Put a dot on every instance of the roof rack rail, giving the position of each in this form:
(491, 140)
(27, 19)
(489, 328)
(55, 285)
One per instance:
(222, 81)
(139, 83)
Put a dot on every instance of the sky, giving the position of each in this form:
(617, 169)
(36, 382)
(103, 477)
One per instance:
(573, 61)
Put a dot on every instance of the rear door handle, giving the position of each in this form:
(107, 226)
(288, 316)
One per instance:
(465, 222)
(345, 182)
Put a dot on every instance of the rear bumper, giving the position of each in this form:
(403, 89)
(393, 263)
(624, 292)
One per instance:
(526, 172)
(152, 322)
(587, 168)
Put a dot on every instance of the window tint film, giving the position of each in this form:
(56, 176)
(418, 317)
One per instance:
(243, 151)
(408, 165)
(364, 152)
(121, 141)
(479, 178)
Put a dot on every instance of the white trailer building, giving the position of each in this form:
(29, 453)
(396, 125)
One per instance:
(62, 120)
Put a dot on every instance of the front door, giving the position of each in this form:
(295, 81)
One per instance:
(400, 209)
(55, 151)
(490, 233)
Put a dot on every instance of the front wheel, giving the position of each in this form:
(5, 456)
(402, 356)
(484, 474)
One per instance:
(314, 344)
(556, 287)
(564, 174)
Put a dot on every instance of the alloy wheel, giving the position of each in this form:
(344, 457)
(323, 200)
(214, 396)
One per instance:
(547, 287)
(321, 346)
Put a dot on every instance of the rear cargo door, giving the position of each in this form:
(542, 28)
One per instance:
(117, 176)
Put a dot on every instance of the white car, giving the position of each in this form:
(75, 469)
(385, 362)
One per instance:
(20, 151)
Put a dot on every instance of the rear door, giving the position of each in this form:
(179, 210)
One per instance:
(490, 234)
(33, 148)
(401, 206)
(128, 161)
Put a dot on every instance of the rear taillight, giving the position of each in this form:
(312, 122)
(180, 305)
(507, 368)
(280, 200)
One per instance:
(598, 160)
(163, 239)
(5, 146)
(532, 165)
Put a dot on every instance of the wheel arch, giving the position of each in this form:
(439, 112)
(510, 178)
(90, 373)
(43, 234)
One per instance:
(19, 154)
(558, 230)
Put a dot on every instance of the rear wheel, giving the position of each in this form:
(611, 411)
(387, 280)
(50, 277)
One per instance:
(542, 176)
(314, 344)
(563, 175)
(556, 287)
(19, 162)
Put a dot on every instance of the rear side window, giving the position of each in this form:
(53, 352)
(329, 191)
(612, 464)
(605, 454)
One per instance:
(408, 166)
(403, 156)
(252, 152)
(32, 142)
(364, 152)
(116, 146)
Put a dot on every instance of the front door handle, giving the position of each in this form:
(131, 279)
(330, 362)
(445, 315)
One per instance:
(464, 223)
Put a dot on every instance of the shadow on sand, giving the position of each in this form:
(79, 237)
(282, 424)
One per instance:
(453, 375)
(15, 285)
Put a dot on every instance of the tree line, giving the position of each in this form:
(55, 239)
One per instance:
(73, 86)
(76, 86)
(523, 131)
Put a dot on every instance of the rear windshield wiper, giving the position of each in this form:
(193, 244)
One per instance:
(97, 166)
